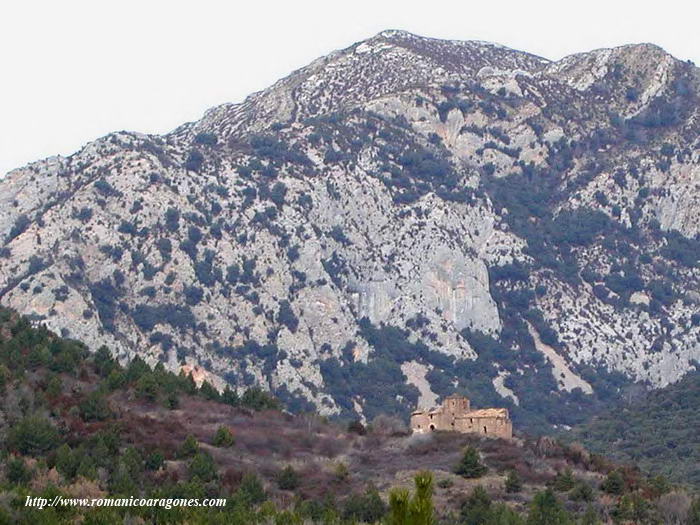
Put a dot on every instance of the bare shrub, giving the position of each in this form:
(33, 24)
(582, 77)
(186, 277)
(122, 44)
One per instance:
(85, 488)
(330, 446)
(312, 423)
(232, 478)
(578, 454)
(45, 478)
(389, 426)
(372, 442)
(421, 444)
(547, 447)
(673, 507)
(503, 459)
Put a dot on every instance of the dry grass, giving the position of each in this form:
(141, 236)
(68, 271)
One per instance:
(385, 457)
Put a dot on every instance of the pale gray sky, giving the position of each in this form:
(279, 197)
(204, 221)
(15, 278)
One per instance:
(75, 70)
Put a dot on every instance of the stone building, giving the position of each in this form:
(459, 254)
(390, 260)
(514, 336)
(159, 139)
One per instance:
(456, 414)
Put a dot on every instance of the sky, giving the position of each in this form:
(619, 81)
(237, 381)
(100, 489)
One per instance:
(72, 71)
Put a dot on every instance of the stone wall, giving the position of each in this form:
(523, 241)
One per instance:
(455, 414)
(489, 426)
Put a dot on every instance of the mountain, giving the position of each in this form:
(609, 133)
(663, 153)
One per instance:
(78, 427)
(658, 432)
(399, 220)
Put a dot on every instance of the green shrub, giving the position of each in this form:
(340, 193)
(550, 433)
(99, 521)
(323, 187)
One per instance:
(223, 437)
(202, 466)
(17, 471)
(189, 447)
(288, 478)
(470, 465)
(147, 387)
(513, 483)
(154, 461)
(207, 139)
(33, 435)
(208, 391)
(582, 491)
(445, 483)
(614, 483)
(287, 317)
(278, 193)
(341, 471)
(545, 509)
(194, 161)
(94, 407)
(564, 481)
(365, 508)
(19, 227)
(251, 490)
(193, 295)
(66, 461)
(477, 508)
(172, 219)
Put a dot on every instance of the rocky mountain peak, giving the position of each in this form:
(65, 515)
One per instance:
(521, 230)
(390, 62)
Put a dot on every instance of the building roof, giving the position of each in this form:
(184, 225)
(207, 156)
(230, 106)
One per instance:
(487, 412)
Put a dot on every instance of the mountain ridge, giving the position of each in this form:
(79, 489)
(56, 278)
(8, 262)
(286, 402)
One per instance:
(416, 202)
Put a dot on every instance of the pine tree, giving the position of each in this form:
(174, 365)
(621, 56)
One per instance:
(614, 483)
(122, 482)
(398, 507)
(116, 379)
(154, 461)
(513, 483)
(17, 471)
(470, 466)
(190, 447)
(33, 435)
(416, 510)
(202, 467)
(223, 438)
(477, 508)
(545, 509)
(230, 397)
(208, 391)
(87, 468)
(288, 478)
(421, 507)
(147, 387)
(564, 481)
(103, 361)
(172, 401)
(66, 461)
(251, 490)
(54, 386)
(4, 377)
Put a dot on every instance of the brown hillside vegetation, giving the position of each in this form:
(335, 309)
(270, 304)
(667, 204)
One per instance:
(80, 424)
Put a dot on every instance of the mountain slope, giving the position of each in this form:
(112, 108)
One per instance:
(658, 432)
(76, 427)
(521, 230)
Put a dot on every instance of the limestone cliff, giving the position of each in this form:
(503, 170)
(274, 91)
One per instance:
(486, 202)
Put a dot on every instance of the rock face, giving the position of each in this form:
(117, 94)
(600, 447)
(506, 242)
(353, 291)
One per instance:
(455, 205)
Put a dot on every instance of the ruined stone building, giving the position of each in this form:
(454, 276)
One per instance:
(456, 414)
